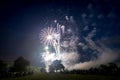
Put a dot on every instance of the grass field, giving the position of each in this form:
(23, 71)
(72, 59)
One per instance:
(58, 76)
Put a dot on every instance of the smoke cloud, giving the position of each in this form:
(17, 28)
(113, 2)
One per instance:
(105, 54)
(105, 57)
(69, 59)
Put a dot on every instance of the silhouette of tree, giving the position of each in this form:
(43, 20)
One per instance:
(3, 65)
(113, 67)
(20, 64)
(103, 69)
(42, 70)
(56, 65)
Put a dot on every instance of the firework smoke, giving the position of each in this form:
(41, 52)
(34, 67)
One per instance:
(105, 57)
(65, 42)
(105, 54)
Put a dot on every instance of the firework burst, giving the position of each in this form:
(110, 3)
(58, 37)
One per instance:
(46, 35)
(53, 36)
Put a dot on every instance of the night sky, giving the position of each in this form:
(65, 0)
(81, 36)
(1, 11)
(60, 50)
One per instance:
(21, 22)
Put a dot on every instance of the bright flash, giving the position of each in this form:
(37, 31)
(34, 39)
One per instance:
(49, 56)
(49, 37)
(46, 48)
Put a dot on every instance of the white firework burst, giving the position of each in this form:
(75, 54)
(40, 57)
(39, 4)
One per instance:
(47, 35)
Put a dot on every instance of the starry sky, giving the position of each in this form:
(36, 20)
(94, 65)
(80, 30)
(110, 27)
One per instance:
(21, 22)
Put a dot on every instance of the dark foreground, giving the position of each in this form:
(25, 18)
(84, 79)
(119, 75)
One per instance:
(59, 76)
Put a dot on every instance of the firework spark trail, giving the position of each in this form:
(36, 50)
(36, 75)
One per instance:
(52, 37)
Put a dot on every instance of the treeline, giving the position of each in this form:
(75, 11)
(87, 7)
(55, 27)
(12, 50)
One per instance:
(19, 68)
(109, 69)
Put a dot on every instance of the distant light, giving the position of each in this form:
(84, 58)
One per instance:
(55, 21)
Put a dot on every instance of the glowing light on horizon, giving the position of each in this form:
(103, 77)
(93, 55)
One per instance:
(49, 56)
